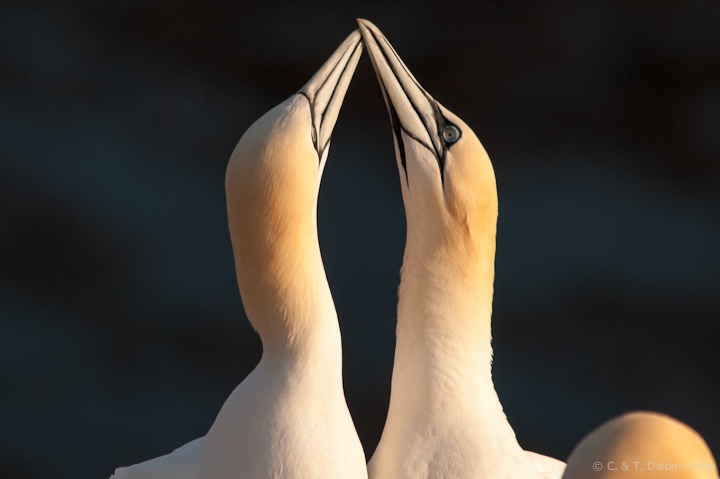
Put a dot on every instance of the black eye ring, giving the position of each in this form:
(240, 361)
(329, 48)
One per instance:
(451, 134)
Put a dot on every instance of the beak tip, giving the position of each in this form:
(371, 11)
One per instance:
(364, 24)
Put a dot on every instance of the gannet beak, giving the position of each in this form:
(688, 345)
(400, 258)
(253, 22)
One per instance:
(412, 109)
(326, 89)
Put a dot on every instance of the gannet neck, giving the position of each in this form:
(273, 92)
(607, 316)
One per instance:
(445, 419)
(450, 198)
(272, 182)
(446, 285)
(443, 351)
(288, 419)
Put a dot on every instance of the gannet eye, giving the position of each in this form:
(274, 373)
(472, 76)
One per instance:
(451, 134)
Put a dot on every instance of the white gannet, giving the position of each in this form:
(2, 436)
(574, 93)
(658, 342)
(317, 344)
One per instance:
(642, 445)
(288, 419)
(445, 419)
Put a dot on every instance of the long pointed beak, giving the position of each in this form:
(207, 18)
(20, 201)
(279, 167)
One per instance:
(326, 89)
(411, 108)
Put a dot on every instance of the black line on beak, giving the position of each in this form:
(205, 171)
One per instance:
(316, 137)
(397, 124)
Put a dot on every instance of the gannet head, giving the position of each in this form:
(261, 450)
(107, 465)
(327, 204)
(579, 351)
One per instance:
(272, 183)
(448, 183)
(642, 445)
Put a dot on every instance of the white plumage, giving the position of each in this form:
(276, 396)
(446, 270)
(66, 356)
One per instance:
(288, 419)
(445, 419)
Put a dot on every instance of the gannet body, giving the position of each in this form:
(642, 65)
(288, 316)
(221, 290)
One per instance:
(445, 419)
(288, 419)
(642, 445)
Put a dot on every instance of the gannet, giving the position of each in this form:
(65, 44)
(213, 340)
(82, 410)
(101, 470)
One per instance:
(445, 419)
(642, 445)
(288, 419)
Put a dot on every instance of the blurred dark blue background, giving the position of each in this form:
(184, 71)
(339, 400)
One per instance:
(121, 328)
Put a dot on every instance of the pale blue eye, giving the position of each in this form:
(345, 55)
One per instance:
(451, 134)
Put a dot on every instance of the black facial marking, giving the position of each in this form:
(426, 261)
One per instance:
(397, 126)
(397, 129)
(342, 73)
(440, 151)
(315, 135)
(440, 121)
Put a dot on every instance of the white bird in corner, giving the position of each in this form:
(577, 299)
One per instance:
(288, 419)
(445, 419)
(642, 445)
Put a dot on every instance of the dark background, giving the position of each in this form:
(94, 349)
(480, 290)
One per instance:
(121, 328)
